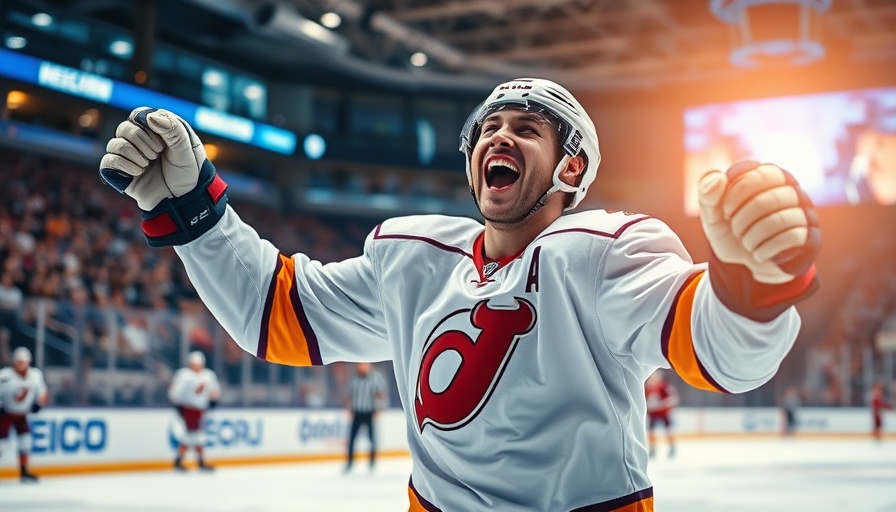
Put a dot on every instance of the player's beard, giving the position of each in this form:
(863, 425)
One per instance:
(522, 209)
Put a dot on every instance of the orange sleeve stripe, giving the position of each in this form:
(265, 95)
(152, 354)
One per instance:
(677, 341)
(286, 337)
(640, 501)
(415, 505)
(645, 505)
(418, 503)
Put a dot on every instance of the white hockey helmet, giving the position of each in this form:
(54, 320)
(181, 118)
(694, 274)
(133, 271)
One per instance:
(21, 354)
(196, 357)
(575, 129)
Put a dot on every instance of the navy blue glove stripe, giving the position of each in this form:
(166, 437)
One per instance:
(140, 118)
(180, 220)
(116, 179)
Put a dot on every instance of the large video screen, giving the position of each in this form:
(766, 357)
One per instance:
(841, 146)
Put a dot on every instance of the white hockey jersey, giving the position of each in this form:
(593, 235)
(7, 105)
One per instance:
(18, 393)
(522, 383)
(193, 389)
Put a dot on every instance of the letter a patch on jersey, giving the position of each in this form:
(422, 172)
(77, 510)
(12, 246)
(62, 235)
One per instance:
(450, 402)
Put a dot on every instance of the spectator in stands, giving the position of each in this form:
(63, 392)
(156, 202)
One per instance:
(130, 392)
(11, 299)
(66, 391)
(75, 322)
(45, 281)
(135, 337)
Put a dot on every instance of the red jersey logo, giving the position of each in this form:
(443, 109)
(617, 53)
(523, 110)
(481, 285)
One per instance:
(482, 362)
(20, 394)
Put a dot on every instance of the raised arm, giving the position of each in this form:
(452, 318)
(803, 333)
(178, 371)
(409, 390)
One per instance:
(283, 309)
(726, 325)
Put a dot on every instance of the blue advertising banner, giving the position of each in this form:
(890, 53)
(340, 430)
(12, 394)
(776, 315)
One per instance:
(128, 96)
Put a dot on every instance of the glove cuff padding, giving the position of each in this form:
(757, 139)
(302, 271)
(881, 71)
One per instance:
(734, 285)
(180, 220)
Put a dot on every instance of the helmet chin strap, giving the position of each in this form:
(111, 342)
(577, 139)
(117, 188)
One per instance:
(558, 185)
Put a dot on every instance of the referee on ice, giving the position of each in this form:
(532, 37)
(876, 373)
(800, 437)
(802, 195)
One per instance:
(366, 395)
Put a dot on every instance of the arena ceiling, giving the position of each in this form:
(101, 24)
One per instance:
(588, 44)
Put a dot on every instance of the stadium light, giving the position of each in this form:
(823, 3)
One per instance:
(16, 42)
(42, 19)
(772, 31)
(121, 48)
(15, 99)
(285, 21)
(330, 19)
(419, 59)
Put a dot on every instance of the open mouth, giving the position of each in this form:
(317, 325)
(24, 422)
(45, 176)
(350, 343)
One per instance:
(501, 173)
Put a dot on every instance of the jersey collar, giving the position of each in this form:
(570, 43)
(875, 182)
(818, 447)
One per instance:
(485, 266)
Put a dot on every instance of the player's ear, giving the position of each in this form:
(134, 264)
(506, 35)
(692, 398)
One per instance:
(573, 171)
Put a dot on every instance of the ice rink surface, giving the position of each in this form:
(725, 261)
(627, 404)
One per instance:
(767, 475)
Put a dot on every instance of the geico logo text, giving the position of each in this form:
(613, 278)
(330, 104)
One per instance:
(68, 435)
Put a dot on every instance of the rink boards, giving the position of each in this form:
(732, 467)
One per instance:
(75, 440)
(89, 440)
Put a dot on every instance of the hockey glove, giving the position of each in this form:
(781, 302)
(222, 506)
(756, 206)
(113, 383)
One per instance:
(212, 404)
(157, 159)
(764, 235)
(35, 407)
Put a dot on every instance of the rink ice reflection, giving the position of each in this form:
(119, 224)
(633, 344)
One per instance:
(768, 475)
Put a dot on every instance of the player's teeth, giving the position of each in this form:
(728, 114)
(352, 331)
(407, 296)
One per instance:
(504, 163)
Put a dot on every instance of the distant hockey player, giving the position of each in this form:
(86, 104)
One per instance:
(662, 397)
(193, 390)
(519, 344)
(22, 391)
(879, 404)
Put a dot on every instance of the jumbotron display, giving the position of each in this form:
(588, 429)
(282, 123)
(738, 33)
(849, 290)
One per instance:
(841, 146)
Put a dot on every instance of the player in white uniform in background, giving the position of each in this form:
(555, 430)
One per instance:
(193, 390)
(22, 391)
(521, 346)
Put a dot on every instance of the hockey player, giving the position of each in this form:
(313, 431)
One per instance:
(662, 397)
(193, 390)
(878, 404)
(521, 345)
(22, 391)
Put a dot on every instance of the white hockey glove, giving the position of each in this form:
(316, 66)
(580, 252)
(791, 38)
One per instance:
(764, 235)
(757, 215)
(157, 159)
